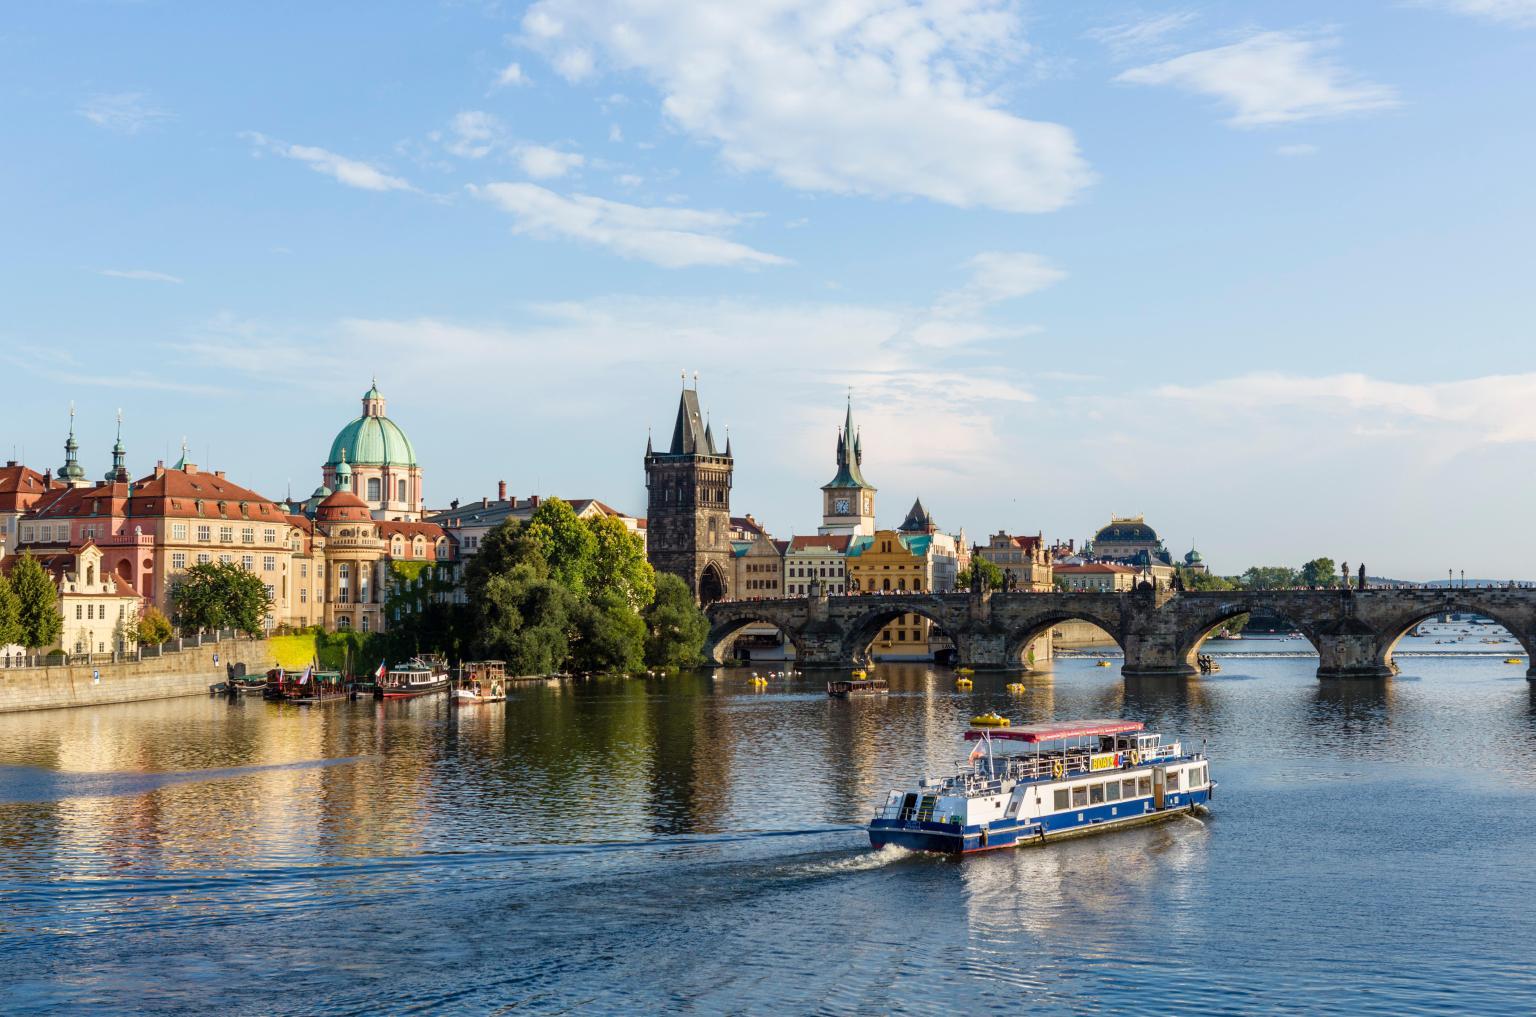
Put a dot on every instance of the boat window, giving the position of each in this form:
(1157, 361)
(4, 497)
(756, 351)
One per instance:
(1144, 786)
(1173, 780)
(1061, 799)
(1080, 795)
(1128, 787)
(1112, 791)
(1096, 794)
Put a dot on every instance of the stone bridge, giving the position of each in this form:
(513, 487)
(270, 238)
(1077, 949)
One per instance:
(1354, 631)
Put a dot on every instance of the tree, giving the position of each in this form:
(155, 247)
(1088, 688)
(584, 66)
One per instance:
(1320, 572)
(37, 604)
(609, 635)
(10, 614)
(675, 628)
(216, 595)
(153, 627)
(618, 562)
(1269, 577)
(566, 542)
(525, 618)
(1198, 580)
(991, 575)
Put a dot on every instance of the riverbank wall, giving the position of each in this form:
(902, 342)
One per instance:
(186, 672)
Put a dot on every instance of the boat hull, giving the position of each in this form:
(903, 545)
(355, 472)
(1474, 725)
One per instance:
(413, 691)
(951, 839)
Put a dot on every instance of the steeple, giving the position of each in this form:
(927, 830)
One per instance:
(343, 473)
(850, 457)
(71, 473)
(690, 435)
(918, 520)
(373, 402)
(181, 463)
(119, 471)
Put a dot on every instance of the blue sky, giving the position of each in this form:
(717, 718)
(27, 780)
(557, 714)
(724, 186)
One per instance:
(1260, 271)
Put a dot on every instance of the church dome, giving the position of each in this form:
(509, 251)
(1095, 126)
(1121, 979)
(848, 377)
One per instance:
(1193, 557)
(1126, 531)
(373, 439)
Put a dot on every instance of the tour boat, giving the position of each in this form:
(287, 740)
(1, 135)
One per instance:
(305, 688)
(483, 681)
(1081, 777)
(859, 685)
(418, 678)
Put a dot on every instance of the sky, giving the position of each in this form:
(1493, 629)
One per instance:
(1259, 271)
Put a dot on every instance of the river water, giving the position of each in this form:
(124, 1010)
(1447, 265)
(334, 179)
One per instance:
(692, 844)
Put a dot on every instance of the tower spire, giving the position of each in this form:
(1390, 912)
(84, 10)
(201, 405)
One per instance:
(119, 470)
(71, 472)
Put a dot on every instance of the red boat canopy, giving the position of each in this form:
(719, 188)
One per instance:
(1058, 730)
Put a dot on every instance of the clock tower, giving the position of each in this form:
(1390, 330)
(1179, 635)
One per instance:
(848, 500)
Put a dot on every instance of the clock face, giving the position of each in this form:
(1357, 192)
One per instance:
(840, 506)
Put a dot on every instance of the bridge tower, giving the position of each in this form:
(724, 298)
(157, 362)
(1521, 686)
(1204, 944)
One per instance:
(688, 498)
(848, 500)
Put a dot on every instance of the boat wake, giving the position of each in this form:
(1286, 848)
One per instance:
(864, 861)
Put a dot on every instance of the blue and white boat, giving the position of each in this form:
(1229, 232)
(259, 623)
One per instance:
(1073, 778)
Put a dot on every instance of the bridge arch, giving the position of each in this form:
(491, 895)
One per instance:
(864, 629)
(1197, 627)
(1022, 632)
(727, 627)
(1519, 624)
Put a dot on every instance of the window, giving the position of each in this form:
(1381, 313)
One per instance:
(225, 559)
(204, 558)
(1128, 787)
(343, 622)
(226, 534)
(303, 596)
(365, 623)
(271, 593)
(1144, 786)
(269, 536)
(1096, 794)
(400, 488)
(269, 563)
(1112, 791)
(203, 532)
(1173, 780)
(247, 535)
(373, 488)
(1061, 799)
(26, 534)
(303, 570)
(79, 612)
(1080, 796)
(248, 562)
(179, 560)
(178, 531)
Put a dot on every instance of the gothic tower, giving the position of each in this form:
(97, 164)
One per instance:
(688, 515)
(848, 500)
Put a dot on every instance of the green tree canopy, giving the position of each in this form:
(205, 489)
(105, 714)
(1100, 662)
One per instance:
(675, 628)
(1198, 580)
(991, 575)
(217, 595)
(609, 635)
(153, 626)
(567, 544)
(1320, 572)
(10, 614)
(526, 618)
(618, 562)
(1270, 577)
(37, 604)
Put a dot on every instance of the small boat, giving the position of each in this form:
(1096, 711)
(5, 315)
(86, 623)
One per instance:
(757, 679)
(859, 685)
(422, 676)
(1101, 663)
(1207, 664)
(238, 683)
(963, 682)
(309, 687)
(481, 681)
(964, 670)
(1073, 778)
(1016, 687)
(993, 719)
(1514, 660)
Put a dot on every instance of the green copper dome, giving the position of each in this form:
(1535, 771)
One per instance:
(373, 439)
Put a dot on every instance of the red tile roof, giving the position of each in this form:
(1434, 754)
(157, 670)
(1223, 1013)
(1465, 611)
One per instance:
(20, 487)
(831, 542)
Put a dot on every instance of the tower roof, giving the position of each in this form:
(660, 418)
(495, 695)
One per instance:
(850, 457)
(690, 435)
(373, 439)
(918, 520)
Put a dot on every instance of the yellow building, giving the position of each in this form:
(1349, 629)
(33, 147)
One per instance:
(893, 561)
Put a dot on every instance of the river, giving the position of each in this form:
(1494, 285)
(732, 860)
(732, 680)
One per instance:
(692, 844)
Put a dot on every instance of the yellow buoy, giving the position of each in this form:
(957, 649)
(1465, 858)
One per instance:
(1101, 663)
(989, 720)
(1513, 660)
(963, 683)
(965, 670)
(1015, 686)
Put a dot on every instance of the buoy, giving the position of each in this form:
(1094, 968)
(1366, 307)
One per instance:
(963, 683)
(1101, 663)
(1015, 686)
(1513, 660)
(989, 720)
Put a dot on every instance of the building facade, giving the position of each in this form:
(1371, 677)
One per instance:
(688, 505)
(1025, 561)
(820, 559)
(1097, 577)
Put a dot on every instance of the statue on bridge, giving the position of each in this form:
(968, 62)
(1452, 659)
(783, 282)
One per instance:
(1362, 575)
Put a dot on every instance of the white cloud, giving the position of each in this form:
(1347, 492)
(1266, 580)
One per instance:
(1492, 409)
(512, 74)
(1293, 151)
(1142, 34)
(1270, 78)
(346, 171)
(629, 180)
(1520, 13)
(123, 112)
(474, 134)
(140, 274)
(670, 237)
(543, 163)
(615, 133)
(1002, 275)
(876, 97)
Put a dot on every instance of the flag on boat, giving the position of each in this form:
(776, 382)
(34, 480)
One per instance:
(979, 751)
(381, 672)
(309, 670)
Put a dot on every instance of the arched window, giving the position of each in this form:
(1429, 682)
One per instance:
(343, 623)
(885, 584)
(901, 584)
(397, 548)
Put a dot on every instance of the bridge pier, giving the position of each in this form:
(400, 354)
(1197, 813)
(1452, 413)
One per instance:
(1352, 653)
(982, 651)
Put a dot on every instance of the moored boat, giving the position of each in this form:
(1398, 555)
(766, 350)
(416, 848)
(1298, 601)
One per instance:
(305, 688)
(481, 681)
(1082, 777)
(420, 677)
(859, 685)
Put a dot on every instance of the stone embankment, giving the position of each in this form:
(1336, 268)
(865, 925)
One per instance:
(187, 672)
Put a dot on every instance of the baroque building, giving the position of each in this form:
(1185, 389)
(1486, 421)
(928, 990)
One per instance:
(382, 461)
(688, 498)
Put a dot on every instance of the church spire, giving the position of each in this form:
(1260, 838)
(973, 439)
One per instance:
(71, 472)
(119, 470)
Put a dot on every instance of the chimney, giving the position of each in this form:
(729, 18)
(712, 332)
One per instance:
(501, 489)
(160, 468)
(219, 474)
(485, 503)
(191, 469)
(533, 501)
